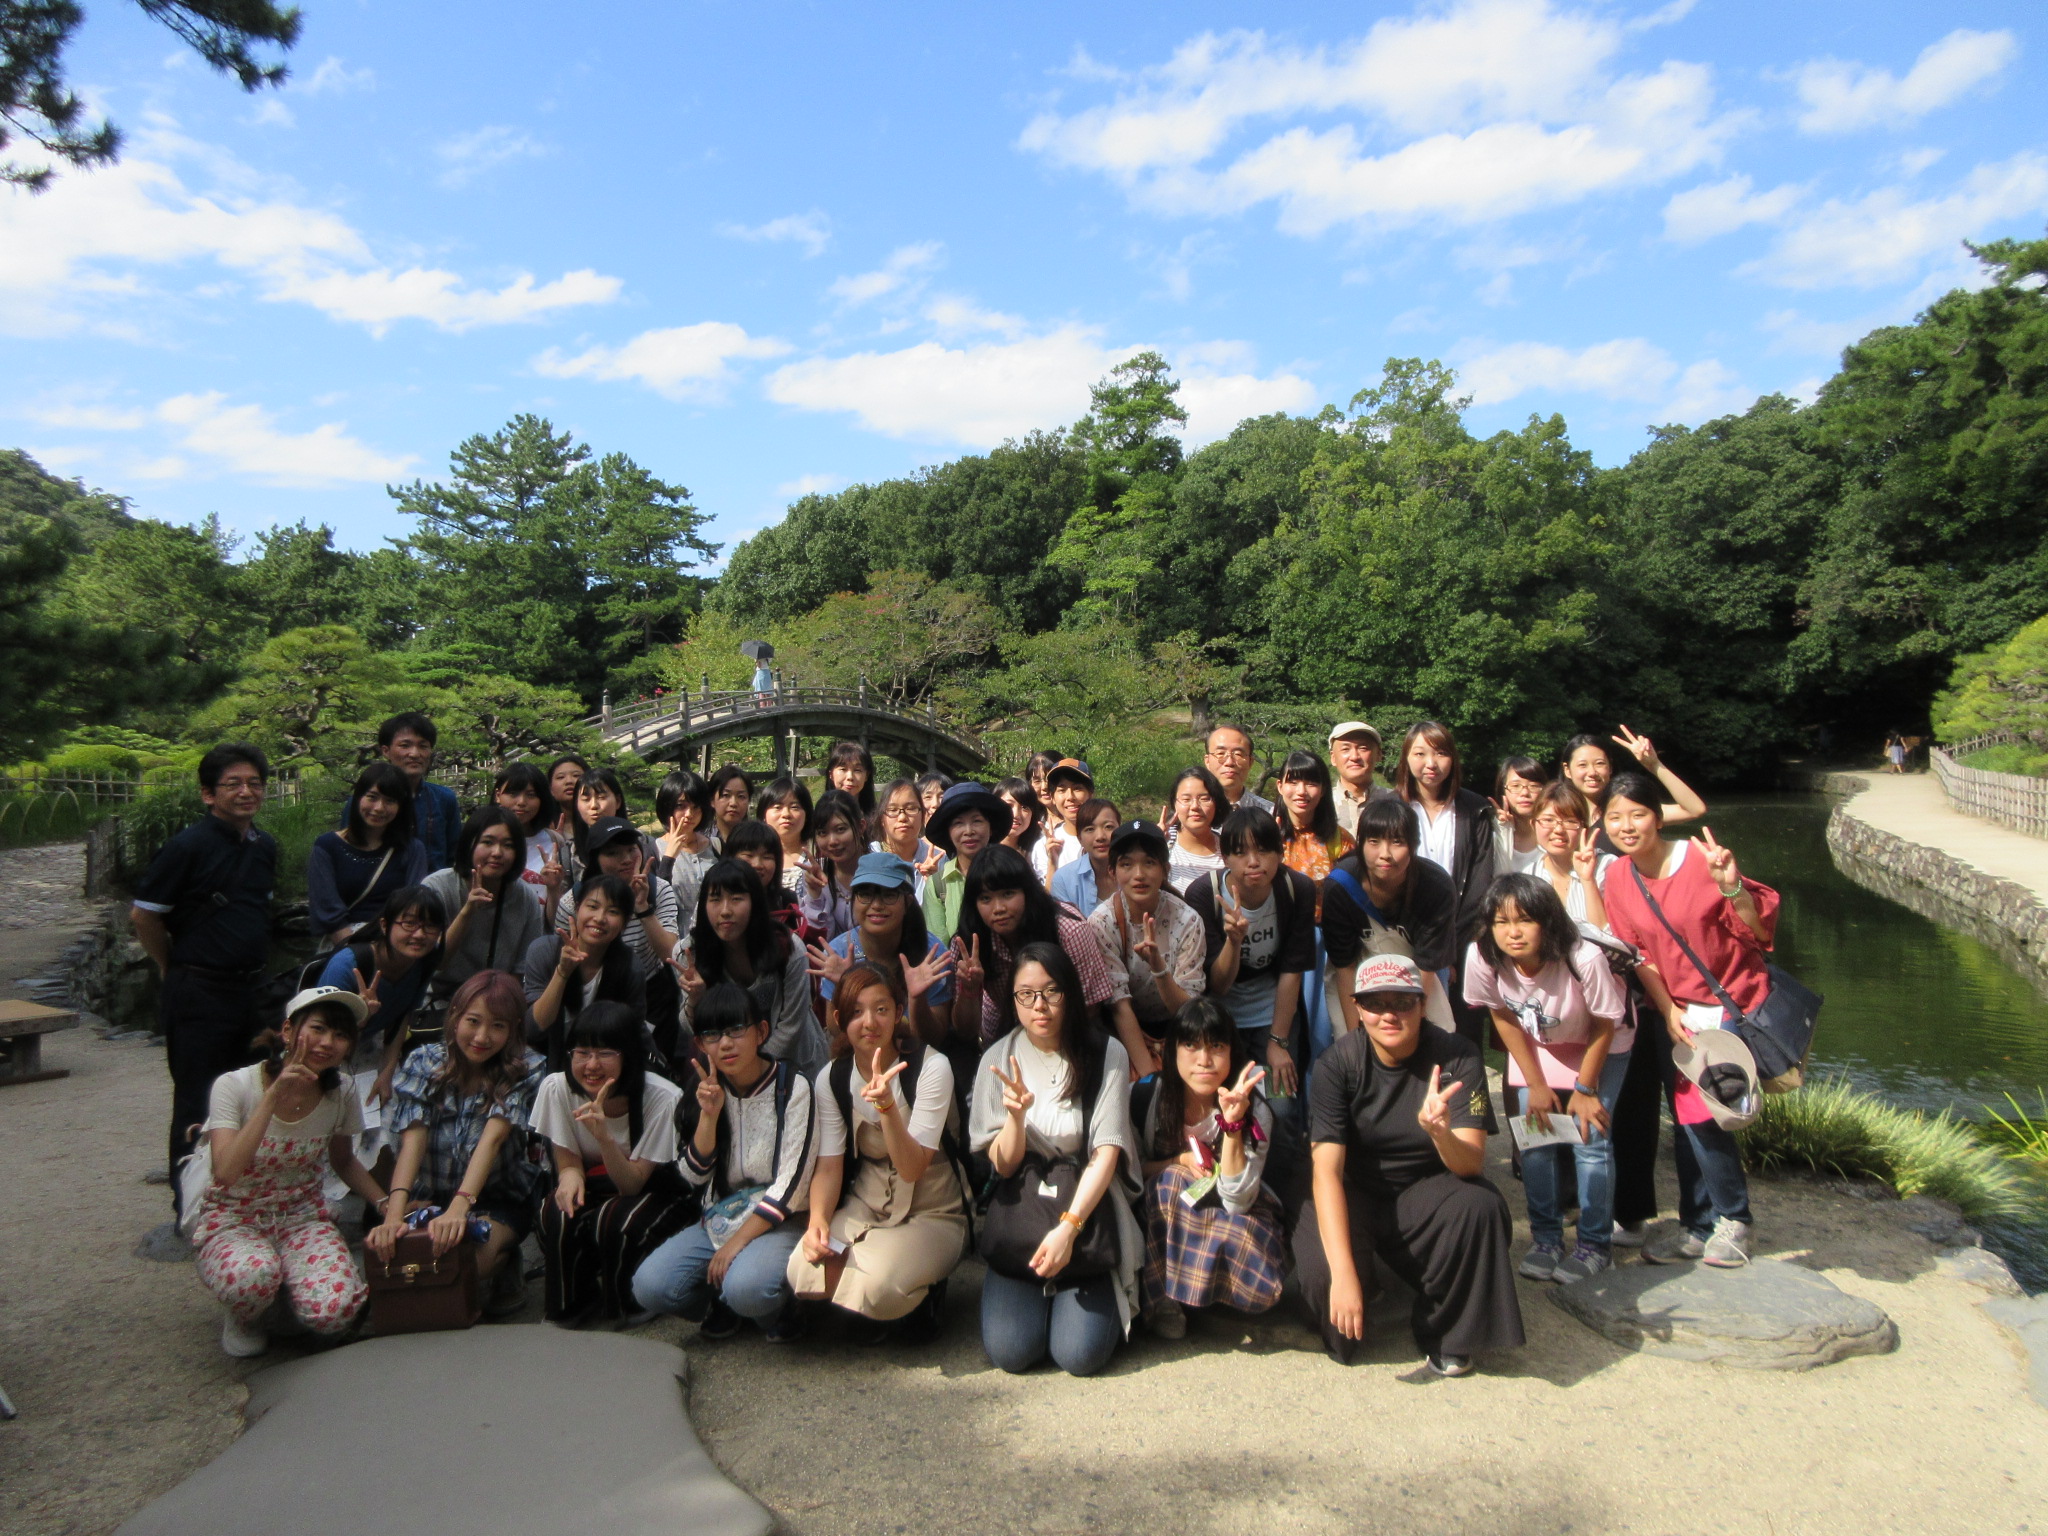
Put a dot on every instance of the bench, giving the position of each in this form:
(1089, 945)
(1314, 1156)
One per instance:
(22, 1027)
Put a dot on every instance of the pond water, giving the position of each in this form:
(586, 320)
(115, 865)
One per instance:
(1929, 1017)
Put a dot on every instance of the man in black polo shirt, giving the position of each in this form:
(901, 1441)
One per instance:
(202, 911)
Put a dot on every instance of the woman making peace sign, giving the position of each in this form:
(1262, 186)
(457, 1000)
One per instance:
(1398, 1119)
(888, 1221)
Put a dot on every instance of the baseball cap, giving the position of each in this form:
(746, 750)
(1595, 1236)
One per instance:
(1355, 728)
(605, 831)
(883, 870)
(1140, 834)
(1387, 973)
(1070, 768)
(314, 996)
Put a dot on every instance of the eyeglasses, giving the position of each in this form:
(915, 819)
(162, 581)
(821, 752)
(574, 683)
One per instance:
(1231, 754)
(867, 896)
(1548, 820)
(238, 784)
(902, 812)
(584, 1056)
(414, 924)
(1037, 997)
(720, 1032)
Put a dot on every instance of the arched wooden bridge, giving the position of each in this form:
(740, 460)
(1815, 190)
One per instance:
(676, 724)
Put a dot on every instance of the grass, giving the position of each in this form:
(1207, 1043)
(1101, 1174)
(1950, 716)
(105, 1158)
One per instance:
(2024, 1136)
(29, 819)
(2001, 1191)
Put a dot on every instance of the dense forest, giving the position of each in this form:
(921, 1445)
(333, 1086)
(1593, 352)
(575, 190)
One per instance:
(1736, 590)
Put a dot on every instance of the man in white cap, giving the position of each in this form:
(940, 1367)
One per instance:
(1355, 749)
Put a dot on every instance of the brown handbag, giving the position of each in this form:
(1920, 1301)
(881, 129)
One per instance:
(419, 1293)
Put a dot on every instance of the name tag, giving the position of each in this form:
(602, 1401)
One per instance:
(1046, 1191)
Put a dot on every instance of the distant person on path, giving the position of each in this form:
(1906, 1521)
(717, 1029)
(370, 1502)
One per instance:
(1895, 753)
(764, 684)
(202, 913)
(350, 873)
(407, 742)
(1355, 749)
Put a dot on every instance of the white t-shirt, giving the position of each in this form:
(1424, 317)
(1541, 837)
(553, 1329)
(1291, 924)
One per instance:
(1251, 997)
(236, 1095)
(927, 1122)
(1055, 1124)
(554, 1116)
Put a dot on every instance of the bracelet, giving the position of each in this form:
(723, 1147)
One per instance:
(1581, 1088)
(1071, 1220)
(1160, 974)
(643, 916)
(462, 1194)
(1731, 895)
(1231, 1127)
(398, 1189)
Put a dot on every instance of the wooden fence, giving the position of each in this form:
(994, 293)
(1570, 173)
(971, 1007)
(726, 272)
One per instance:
(118, 788)
(2013, 800)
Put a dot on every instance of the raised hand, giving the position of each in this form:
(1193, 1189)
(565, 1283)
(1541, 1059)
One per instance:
(367, 991)
(592, 1115)
(1586, 856)
(1501, 813)
(1234, 1103)
(921, 978)
(931, 861)
(689, 978)
(573, 955)
(1053, 843)
(552, 875)
(814, 878)
(967, 971)
(476, 895)
(638, 885)
(1639, 748)
(1720, 861)
(878, 1092)
(1016, 1097)
(295, 1073)
(828, 962)
(1236, 926)
(1435, 1114)
(1147, 948)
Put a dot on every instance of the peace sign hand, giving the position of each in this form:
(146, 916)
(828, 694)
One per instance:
(1236, 926)
(638, 885)
(932, 860)
(573, 955)
(1016, 1097)
(921, 978)
(967, 971)
(689, 978)
(1147, 948)
(476, 896)
(710, 1095)
(1235, 1102)
(827, 962)
(878, 1092)
(1435, 1114)
(1720, 861)
(592, 1115)
(1501, 813)
(1639, 748)
(367, 991)
(1586, 856)
(813, 878)
(551, 873)
(295, 1073)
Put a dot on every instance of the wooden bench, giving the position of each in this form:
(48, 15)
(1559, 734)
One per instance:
(22, 1027)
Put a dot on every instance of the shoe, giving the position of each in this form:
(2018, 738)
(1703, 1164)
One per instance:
(1540, 1262)
(1629, 1234)
(1450, 1365)
(241, 1340)
(638, 1318)
(508, 1289)
(925, 1321)
(1167, 1321)
(789, 1329)
(1585, 1262)
(721, 1322)
(1689, 1246)
(1728, 1247)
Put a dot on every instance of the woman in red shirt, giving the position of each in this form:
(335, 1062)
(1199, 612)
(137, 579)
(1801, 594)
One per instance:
(1729, 921)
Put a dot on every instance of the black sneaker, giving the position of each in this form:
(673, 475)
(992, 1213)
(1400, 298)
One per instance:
(721, 1322)
(1450, 1365)
(787, 1330)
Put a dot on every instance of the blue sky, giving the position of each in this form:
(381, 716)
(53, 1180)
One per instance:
(774, 248)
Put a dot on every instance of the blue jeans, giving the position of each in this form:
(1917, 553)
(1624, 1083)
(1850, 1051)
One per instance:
(1077, 1324)
(1711, 1183)
(1543, 1174)
(673, 1277)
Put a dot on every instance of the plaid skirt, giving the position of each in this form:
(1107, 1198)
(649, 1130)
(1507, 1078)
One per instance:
(1209, 1256)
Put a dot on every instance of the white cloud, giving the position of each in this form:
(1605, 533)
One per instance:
(976, 396)
(809, 485)
(90, 244)
(682, 362)
(952, 315)
(1707, 390)
(243, 440)
(467, 156)
(903, 270)
(1720, 207)
(334, 78)
(1495, 107)
(1887, 236)
(1629, 369)
(813, 231)
(1841, 96)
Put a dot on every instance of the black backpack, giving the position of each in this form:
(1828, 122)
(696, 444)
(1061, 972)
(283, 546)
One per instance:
(839, 1078)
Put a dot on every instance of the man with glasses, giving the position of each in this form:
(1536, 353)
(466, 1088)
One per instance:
(202, 913)
(1229, 757)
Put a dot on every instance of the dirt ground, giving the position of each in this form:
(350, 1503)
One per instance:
(115, 1365)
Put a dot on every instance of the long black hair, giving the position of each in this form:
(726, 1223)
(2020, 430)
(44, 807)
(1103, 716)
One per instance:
(609, 1026)
(1025, 798)
(766, 941)
(1002, 868)
(474, 826)
(755, 836)
(1310, 769)
(392, 784)
(1219, 802)
(615, 971)
(851, 754)
(1082, 1041)
(518, 776)
(1201, 1021)
(837, 804)
(1538, 901)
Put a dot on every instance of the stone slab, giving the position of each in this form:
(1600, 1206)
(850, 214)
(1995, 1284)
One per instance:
(495, 1430)
(1769, 1315)
(2027, 1317)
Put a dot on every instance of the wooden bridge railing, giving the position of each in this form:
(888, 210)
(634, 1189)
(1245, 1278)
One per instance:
(705, 710)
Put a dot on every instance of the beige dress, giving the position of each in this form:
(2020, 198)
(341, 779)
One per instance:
(902, 1238)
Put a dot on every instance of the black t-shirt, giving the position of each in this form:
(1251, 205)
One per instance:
(212, 889)
(1369, 1108)
(1294, 917)
(1426, 914)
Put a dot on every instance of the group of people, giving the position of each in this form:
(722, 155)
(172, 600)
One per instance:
(767, 1052)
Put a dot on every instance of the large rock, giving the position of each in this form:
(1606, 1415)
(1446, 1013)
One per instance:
(1767, 1316)
(491, 1432)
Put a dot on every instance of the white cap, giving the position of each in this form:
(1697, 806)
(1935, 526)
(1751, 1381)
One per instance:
(1355, 728)
(359, 1009)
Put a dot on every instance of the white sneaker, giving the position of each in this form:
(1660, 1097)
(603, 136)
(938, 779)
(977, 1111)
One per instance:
(242, 1341)
(1728, 1246)
(1630, 1234)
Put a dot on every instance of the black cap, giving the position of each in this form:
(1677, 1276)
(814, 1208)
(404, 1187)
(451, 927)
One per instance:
(605, 831)
(1142, 834)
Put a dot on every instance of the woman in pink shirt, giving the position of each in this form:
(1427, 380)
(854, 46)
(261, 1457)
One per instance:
(1729, 921)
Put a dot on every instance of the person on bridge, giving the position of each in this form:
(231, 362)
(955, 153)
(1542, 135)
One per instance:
(849, 769)
(968, 820)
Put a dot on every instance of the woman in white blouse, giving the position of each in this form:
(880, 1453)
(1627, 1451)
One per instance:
(1055, 1087)
(888, 1214)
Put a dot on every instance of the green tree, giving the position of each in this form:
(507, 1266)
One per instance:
(1111, 541)
(297, 579)
(904, 634)
(2004, 688)
(36, 103)
(315, 695)
(644, 535)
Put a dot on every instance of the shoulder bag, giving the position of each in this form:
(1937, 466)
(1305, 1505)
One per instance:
(1027, 1205)
(1779, 1033)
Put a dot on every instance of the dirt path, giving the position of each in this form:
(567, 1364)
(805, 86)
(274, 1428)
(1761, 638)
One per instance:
(116, 1367)
(1912, 806)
